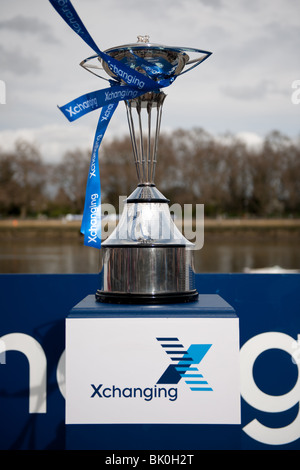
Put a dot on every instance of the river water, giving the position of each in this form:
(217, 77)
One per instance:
(216, 256)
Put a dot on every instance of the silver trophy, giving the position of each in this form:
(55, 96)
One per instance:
(146, 259)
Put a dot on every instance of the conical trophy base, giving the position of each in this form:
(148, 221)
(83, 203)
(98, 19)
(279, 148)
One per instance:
(146, 260)
(147, 275)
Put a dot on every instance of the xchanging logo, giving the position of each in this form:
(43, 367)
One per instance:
(128, 78)
(120, 94)
(183, 364)
(80, 107)
(182, 367)
(146, 393)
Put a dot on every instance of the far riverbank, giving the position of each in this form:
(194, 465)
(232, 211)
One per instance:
(70, 229)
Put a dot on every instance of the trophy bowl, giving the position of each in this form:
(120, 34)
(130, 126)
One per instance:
(146, 259)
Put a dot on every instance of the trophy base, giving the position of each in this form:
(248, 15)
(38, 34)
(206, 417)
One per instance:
(147, 275)
(146, 299)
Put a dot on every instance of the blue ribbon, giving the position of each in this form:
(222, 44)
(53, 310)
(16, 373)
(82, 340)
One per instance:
(91, 221)
(107, 99)
(97, 99)
(125, 73)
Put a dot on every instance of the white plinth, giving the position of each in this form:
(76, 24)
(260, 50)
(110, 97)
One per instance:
(123, 366)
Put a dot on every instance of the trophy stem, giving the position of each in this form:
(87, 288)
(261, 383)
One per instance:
(133, 140)
(144, 139)
(149, 173)
(141, 142)
(157, 130)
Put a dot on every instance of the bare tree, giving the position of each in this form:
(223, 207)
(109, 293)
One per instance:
(9, 187)
(23, 178)
(192, 167)
(70, 177)
(117, 170)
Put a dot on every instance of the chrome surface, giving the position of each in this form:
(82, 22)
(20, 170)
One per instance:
(147, 192)
(144, 133)
(147, 224)
(170, 60)
(147, 270)
(145, 39)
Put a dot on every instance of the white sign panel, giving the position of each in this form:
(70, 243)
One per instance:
(152, 370)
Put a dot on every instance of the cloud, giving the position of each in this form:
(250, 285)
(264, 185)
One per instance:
(244, 86)
(17, 63)
(31, 25)
(251, 139)
(256, 91)
(52, 140)
(212, 3)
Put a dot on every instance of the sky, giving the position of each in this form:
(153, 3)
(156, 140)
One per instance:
(243, 88)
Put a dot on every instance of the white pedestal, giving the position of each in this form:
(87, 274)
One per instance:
(158, 364)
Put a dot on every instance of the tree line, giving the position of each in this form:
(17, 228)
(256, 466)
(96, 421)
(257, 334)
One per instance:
(194, 167)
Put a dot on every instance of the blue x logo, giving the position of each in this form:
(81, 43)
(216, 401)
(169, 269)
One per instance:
(183, 362)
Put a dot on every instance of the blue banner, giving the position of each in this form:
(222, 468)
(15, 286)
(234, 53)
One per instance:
(32, 335)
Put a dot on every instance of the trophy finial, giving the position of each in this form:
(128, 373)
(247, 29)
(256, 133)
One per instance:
(143, 38)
